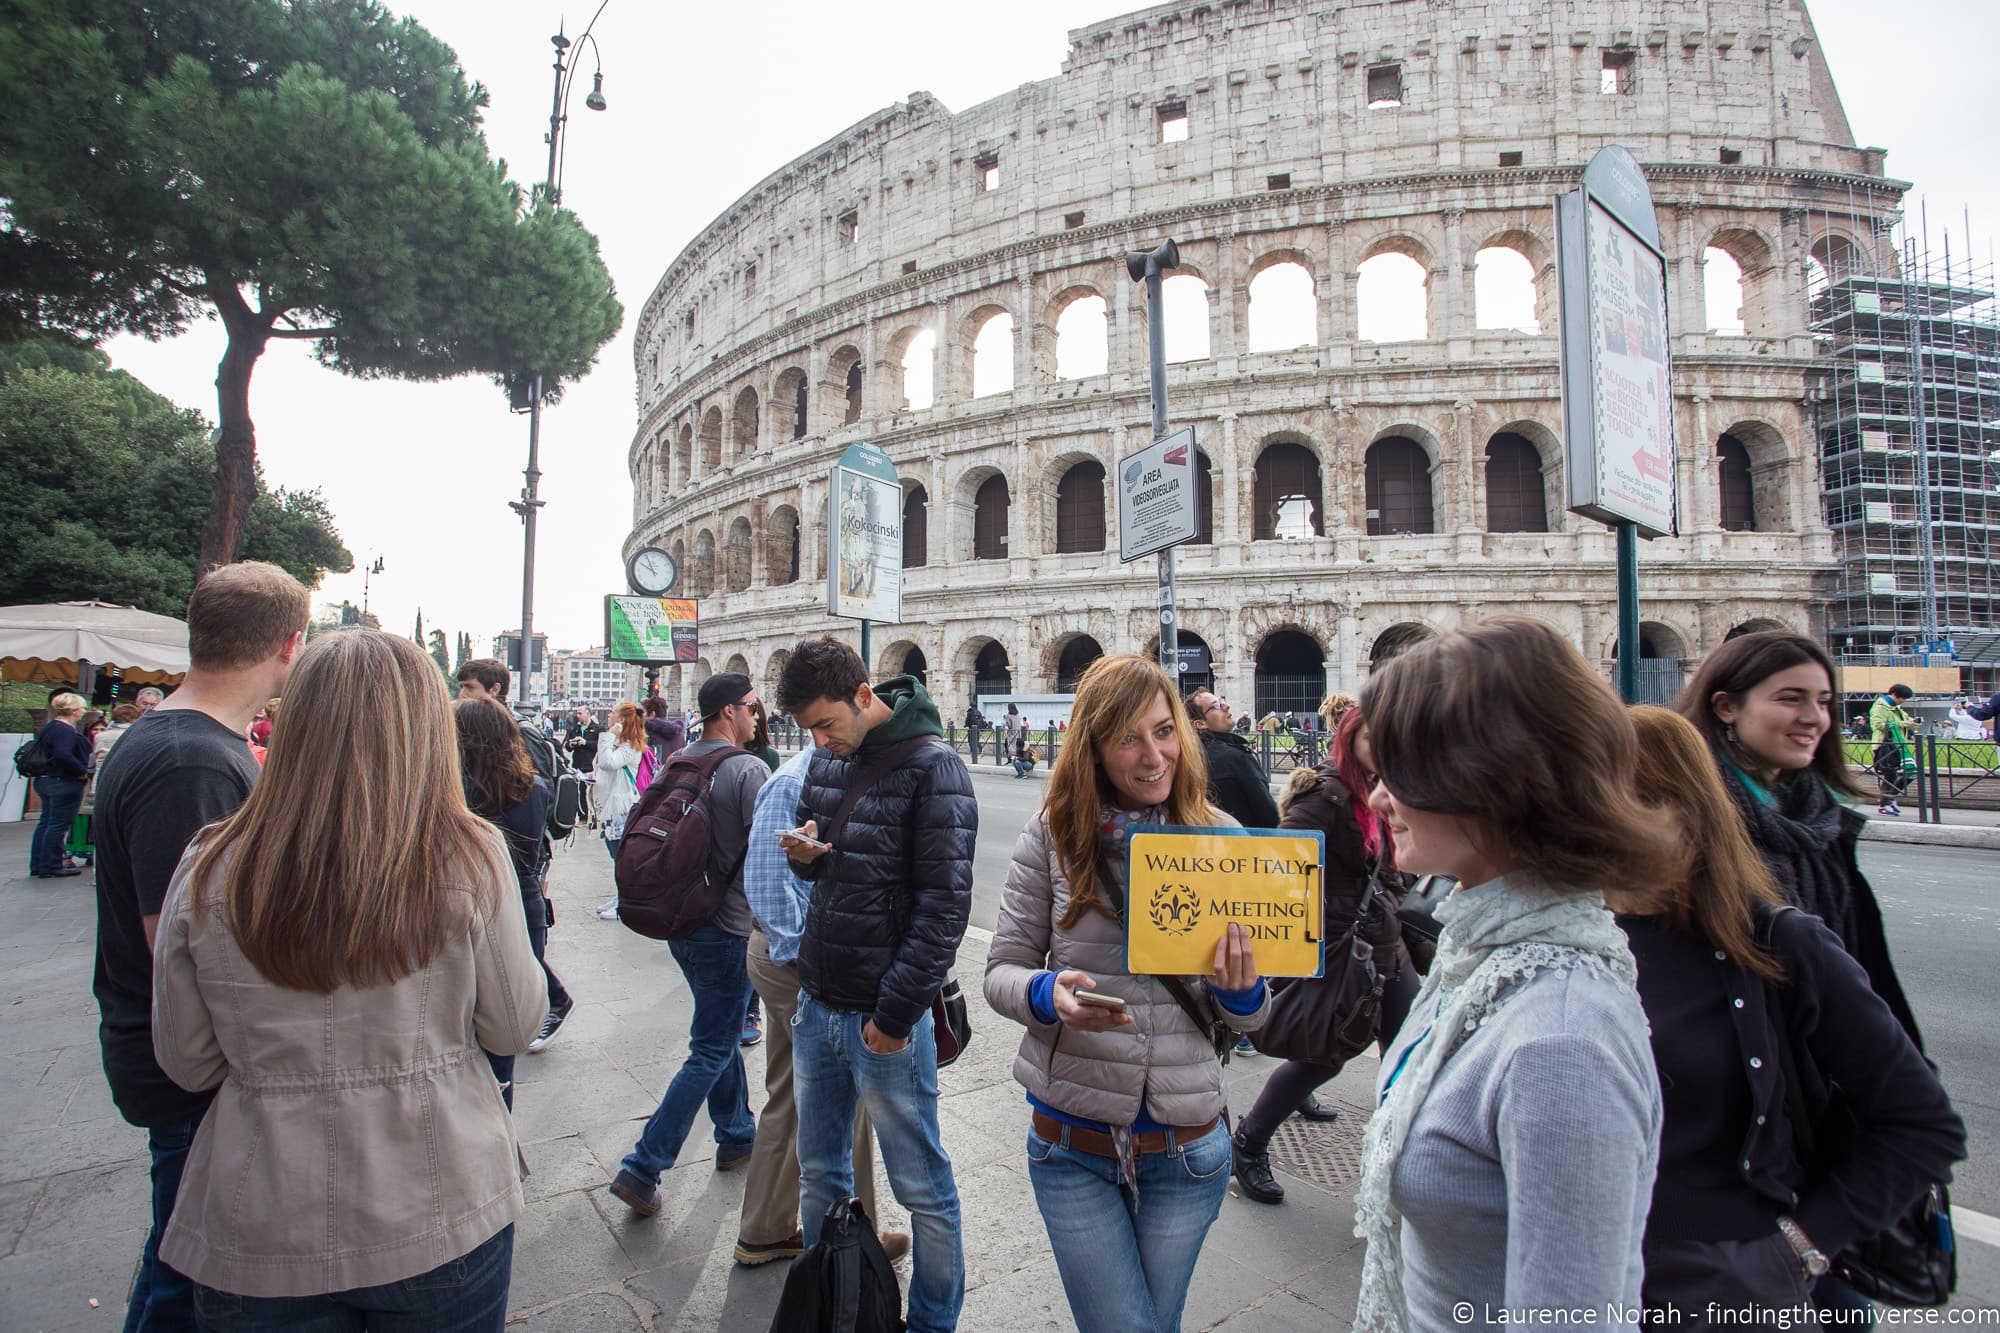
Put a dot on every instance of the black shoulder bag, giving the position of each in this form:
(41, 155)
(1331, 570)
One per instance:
(949, 1019)
(1914, 1262)
(1200, 1007)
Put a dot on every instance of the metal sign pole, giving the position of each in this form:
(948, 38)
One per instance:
(1147, 268)
(1628, 612)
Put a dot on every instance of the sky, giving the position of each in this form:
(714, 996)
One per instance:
(704, 104)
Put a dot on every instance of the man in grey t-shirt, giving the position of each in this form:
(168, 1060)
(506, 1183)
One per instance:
(712, 960)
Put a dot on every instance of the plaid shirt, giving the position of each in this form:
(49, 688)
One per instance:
(777, 896)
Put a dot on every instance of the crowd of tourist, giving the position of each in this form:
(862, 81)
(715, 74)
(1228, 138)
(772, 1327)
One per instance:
(1657, 1062)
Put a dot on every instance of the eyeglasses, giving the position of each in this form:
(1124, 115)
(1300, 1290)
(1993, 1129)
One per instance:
(1219, 703)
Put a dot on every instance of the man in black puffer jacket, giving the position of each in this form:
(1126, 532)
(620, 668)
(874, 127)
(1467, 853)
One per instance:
(890, 898)
(1236, 781)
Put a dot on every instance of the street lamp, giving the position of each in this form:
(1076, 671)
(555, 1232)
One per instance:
(368, 571)
(529, 503)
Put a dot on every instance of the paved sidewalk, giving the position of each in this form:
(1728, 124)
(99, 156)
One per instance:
(73, 1196)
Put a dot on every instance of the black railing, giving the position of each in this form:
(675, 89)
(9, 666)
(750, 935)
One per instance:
(1948, 772)
(1278, 751)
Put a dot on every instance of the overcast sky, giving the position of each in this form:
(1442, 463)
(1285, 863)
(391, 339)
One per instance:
(705, 101)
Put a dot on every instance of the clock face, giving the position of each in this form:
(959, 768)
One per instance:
(652, 571)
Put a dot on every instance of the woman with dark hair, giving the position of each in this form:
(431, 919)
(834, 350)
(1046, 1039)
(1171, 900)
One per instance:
(501, 788)
(1741, 1217)
(1360, 890)
(1509, 1164)
(1126, 1148)
(331, 959)
(1763, 702)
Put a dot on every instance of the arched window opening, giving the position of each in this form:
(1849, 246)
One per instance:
(1738, 494)
(1082, 343)
(853, 395)
(1395, 640)
(799, 408)
(788, 405)
(1503, 290)
(1077, 654)
(711, 440)
(684, 454)
(1662, 659)
(1283, 313)
(1514, 495)
(745, 423)
(992, 673)
(781, 547)
(919, 375)
(1398, 488)
(915, 664)
(989, 520)
(1722, 286)
(1291, 673)
(736, 556)
(1184, 308)
(1392, 299)
(1197, 664)
(993, 356)
(1204, 501)
(916, 528)
(1832, 258)
(1080, 509)
(704, 564)
(1286, 495)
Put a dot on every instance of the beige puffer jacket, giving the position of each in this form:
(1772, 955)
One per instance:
(1160, 1059)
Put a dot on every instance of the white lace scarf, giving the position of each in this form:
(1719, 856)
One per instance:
(1496, 937)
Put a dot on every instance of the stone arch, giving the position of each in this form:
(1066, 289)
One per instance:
(990, 347)
(743, 424)
(703, 574)
(1664, 653)
(701, 671)
(1066, 657)
(1754, 625)
(912, 368)
(840, 391)
(986, 662)
(1076, 519)
(782, 556)
(1187, 306)
(1769, 454)
(684, 454)
(986, 492)
(1288, 489)
(1396, 482)
(1512, 283)
(916, 526)
(711, 440)
(1516, 489)
(774, 670)
(736, 555)
(738, 663)
(791, 405)
(1835, 254)
(683, 574)
(1283, 310)
(1078, 329)
(889, 661)
(1397, 639)
(1289, 671)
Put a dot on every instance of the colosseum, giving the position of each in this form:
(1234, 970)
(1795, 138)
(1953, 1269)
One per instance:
(1361, 332)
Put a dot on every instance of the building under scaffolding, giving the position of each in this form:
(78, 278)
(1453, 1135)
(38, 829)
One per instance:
(1909, 447)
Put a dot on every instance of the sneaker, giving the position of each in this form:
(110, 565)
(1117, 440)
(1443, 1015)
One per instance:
(550, 1026)
(753, 1032)
(1309, 1110)
(790, 1248)
(1245, 1046)
(62, 873)
(733, 1156)
(608, 912)
(895, 1244)
(636, 1194)
(1895, 808)
(1253, 1173)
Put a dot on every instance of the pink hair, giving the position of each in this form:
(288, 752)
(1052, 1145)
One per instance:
(1358, 781)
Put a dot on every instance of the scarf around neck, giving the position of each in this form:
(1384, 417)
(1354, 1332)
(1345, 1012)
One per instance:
(1497, 937)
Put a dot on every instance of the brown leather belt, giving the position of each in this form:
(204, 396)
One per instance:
(1099, 1144)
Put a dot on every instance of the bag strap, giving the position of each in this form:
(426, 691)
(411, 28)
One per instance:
(874, 772)
(1805, 1139)
(1204, 1017)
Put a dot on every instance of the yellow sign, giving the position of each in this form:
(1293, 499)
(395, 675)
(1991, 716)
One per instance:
(1184, 885)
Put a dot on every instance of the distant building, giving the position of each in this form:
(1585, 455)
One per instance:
(588, 677)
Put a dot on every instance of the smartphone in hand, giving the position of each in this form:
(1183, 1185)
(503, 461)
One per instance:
(1101, 1001)
(800, 835)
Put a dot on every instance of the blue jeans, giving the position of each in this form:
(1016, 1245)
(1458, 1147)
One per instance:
(463, 1295)
(1126, 1268)
(163, 1299)
(712, 961)
(61, 798)
(832, 1068)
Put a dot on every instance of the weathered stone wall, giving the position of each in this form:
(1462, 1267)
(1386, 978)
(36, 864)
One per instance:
(889, 230)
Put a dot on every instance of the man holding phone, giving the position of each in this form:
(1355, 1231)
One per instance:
(892, 820)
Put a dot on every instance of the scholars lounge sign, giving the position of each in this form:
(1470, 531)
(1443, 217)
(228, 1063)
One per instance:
(1185, 885)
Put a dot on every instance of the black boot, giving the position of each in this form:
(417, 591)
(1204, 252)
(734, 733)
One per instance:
(1311, 1109)
(1253, 1172)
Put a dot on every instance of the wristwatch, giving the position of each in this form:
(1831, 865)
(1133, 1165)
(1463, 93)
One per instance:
(1811, 1258)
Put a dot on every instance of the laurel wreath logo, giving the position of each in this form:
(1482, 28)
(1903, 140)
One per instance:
(1174, 910)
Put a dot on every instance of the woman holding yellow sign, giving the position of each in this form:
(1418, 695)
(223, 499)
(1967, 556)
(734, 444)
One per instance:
(1126, 1150)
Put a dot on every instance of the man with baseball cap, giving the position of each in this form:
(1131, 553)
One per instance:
(712, 960)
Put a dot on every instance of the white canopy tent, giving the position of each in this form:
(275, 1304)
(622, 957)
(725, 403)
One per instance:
(49, 643)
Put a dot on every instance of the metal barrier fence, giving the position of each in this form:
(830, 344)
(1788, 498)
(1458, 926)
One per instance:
(1949, 772)
(1278, 751)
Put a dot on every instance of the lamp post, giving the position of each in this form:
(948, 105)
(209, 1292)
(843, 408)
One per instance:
(529, 503)
(369, 571)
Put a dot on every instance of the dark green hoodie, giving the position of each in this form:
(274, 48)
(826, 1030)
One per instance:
(912, 714)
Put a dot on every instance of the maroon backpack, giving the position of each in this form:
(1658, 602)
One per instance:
(667, 888)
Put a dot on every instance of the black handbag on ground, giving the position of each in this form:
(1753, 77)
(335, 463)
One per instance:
(844, 1283)
(1914, 1262)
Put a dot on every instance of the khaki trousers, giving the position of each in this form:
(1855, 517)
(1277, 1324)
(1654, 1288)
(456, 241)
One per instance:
(771, 1194)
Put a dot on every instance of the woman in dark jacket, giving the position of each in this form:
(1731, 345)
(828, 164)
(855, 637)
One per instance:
(1736, 986)
(1359, 885)
(1763, 702)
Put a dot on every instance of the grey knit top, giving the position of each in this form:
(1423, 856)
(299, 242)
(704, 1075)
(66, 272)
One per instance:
(1525, 1180)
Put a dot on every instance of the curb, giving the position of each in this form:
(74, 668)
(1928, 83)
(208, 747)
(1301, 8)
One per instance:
(1933, 835)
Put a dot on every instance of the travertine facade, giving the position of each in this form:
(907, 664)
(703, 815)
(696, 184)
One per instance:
(918, 220)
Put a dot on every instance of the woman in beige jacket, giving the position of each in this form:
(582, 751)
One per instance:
(332, 958)
(1126, 1150)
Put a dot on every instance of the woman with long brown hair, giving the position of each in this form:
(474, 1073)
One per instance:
(1509, 1164)
(332, 958)
(1126, 1150)
(1741, 1217)
(1764, 703)
(620, 748)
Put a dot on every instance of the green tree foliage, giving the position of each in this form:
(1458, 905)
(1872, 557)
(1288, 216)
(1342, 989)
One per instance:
(105, 484)
(440, 653)
(307, 169)
(464, 654)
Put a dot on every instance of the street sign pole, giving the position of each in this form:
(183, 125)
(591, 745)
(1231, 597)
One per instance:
(1628, 612)
(1147, 268)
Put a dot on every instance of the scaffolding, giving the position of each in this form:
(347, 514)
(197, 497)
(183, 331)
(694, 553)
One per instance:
(1908, 416)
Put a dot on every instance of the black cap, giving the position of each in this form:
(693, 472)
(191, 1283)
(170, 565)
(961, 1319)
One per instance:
(720, 691)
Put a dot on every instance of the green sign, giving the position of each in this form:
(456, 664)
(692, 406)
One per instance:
(651, 631)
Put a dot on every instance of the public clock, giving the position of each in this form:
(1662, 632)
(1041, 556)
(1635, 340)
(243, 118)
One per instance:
(651, 571)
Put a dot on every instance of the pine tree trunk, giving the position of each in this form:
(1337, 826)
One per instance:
(236, 445)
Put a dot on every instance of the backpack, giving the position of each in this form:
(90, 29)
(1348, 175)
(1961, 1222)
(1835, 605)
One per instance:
(666, 887)
(31, 759)
(844, 1283)
(649, 768)
(565, 787)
